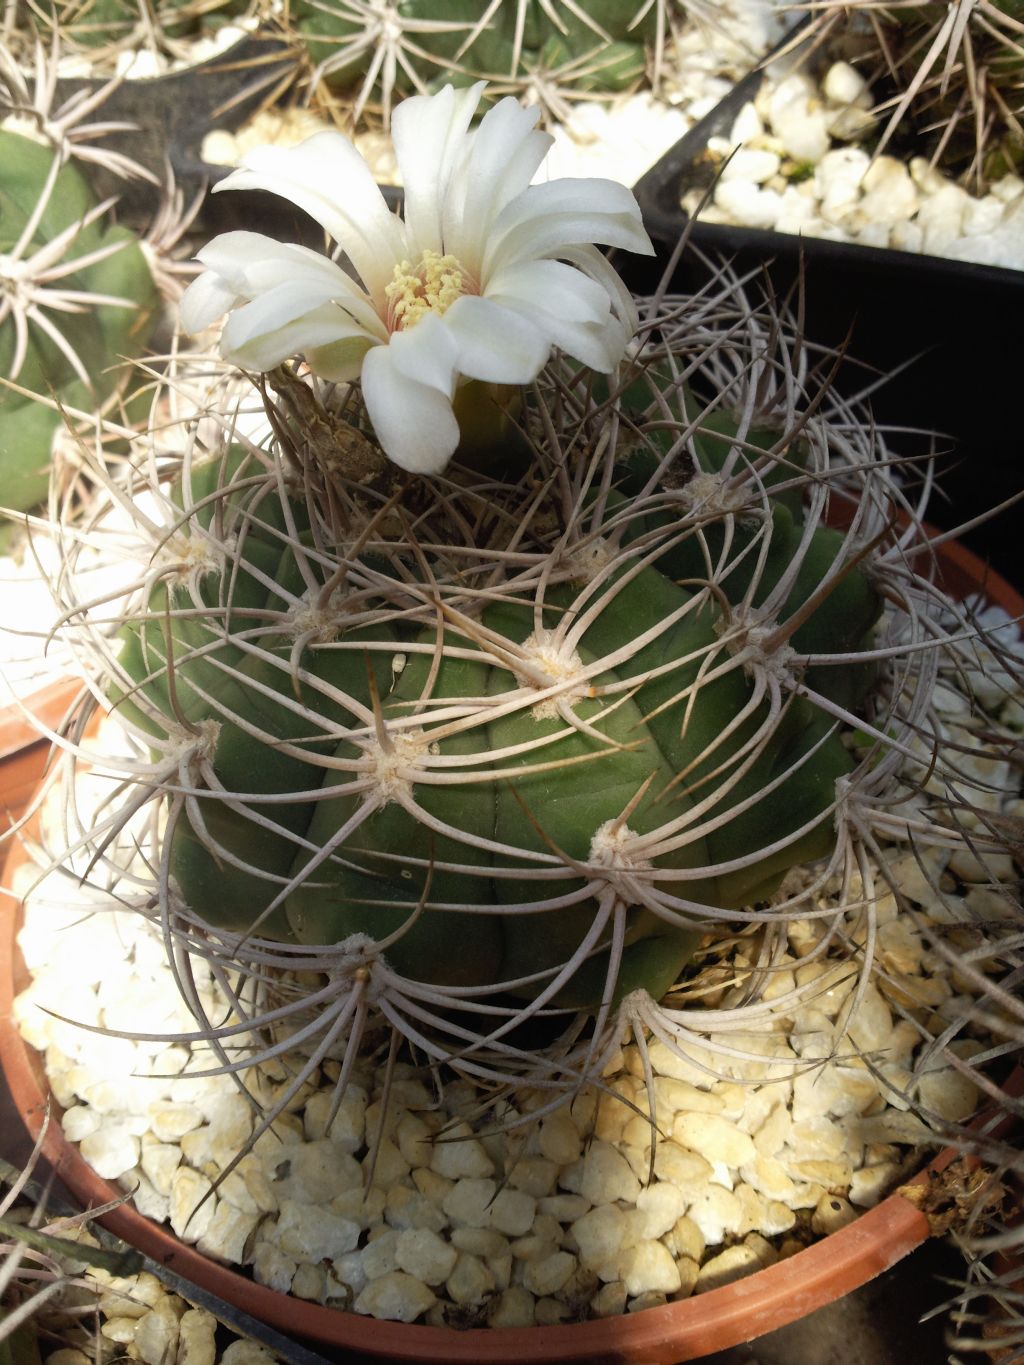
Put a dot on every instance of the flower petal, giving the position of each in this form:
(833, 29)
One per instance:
(574, 311)
(251, 262)
(339, 360)
(283, 323)
(553, 287)
(599, 345)
(327, 177)
(242, 266)
(495, 344)
(414, 423)
(567, 212)
(427, 353)
(595, 264)
(284, 304)
(205, 300)
(429, 133)
(498, 165)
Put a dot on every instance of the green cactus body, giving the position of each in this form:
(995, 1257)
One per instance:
(93, 24)
(324, 31)
(617, 18)
(473, 836)
(100, 334)
(602, 66)
(852, 606)
(343, 39)
(343, 900)
(490, 51)
(306, 721)
(342, 36)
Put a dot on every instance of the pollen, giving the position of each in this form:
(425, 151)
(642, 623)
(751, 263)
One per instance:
(430, 286)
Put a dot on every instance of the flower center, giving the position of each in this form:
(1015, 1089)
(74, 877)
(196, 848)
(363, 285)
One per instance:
(431, 286)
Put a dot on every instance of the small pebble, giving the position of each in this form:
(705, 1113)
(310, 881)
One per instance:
(395, 1297)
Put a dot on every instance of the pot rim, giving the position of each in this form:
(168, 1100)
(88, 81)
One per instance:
(685, 1330)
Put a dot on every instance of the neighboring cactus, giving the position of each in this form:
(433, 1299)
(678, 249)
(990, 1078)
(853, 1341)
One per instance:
(45, 1293)
(76, 298)
(101, 27)
(392, 48)
(956, 73)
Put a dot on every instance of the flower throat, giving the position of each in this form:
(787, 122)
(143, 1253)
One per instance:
(432, 286)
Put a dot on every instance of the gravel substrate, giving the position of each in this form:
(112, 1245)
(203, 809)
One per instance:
(796, 166)
(767, 1136)
(135, 1317)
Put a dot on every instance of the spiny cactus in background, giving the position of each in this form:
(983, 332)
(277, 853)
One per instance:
(45, 1298)
(76, 298)
(104, 28)
(956, 73)
(385, 49)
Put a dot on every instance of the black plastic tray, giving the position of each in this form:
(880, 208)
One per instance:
(960, 325)
(172, 114)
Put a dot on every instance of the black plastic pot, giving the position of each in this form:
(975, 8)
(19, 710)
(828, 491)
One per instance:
(172, 114)
(959, 326)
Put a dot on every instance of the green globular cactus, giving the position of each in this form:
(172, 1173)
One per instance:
(540, 792)
(598, 46)
(371, 50)
(491, 760)
(113, 25)
(364, 48)
(76, 299)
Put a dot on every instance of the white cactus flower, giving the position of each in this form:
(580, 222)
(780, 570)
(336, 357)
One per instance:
(484, 276)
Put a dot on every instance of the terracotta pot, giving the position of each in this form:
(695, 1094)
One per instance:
(687, 1330)
(24, 747)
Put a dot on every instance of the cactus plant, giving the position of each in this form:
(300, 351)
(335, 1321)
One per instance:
(396, 47)
(482, 752)
(102, 29)
(478, 752)
(44, 1295)
(480, 761)
(956, 72)
(533, 770)
(77, 298)
(590, 694)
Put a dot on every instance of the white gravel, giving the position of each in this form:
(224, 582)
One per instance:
(796, 167)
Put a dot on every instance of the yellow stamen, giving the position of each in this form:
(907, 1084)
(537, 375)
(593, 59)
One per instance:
(432, 286)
